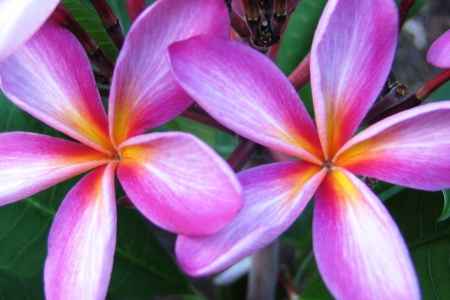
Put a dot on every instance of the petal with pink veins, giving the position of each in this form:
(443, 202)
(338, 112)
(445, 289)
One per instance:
(274, 196)
(439, 53)
(144, 93)
(179, 183)
(351, 57)
(30, 163)
(50, 78)
(246, 92)
(82, 239)
(359, 250)
(411, 148)
(19, 20)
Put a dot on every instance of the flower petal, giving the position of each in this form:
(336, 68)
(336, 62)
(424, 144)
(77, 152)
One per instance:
(30, 163)
(358, 247)
(179, 183)
(274, 196)
(439, 53)
(144, 93)
(50, 77)
(411, 148)
(19, 20)
(82, 239)
(351, 57)
(246, 92)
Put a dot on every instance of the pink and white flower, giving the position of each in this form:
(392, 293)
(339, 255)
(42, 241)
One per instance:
(19, 20)
(439, 53)
(359, 250)
(173, 178)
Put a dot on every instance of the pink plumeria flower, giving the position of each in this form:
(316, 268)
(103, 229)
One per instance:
(358, 247)
(439, 53)
(19, 20)
(173, 178)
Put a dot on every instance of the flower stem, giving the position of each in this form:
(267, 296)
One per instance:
(288, 287)
(403, 10)
(413, 100)
(301, 75)
(110, 22)
(263, 273)
(94, 52)
(432, 85)
(238, 24)
(292, 5)
(134, 8)
(99, 59)
(394, 95)
(240, 156)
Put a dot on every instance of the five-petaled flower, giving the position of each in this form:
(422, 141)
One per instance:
(19, 20)
(359, 250)
(174, 179)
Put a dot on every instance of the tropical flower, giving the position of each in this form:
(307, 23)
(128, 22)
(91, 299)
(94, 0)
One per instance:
(359, 250)
(19, 20)
(173, 178)
(439, 53)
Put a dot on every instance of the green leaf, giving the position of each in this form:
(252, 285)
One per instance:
(316, 289)
(190, 297)
(297, 39)
(90, 21)
(416, 213)
(416, 7)
(206, 133)
(442, 93)
(222, 142)
(24, 228)
(446, 210)
(306, 274)
(300, 232)
(142, 268)
(13, 118)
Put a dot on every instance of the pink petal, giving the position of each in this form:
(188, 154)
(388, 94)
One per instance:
(179, 183)
(411, 148)
(246, 92)
(274, 196)
(30, 163)
(50, 77)
(358, 247)
(351, 57)
(82, 239)
(439, 53)
(19, 20)
(144, 93)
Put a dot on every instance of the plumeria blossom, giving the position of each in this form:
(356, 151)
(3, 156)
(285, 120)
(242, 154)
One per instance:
(173, 178)
(19, 20)
(359, 250)
(439, 53)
